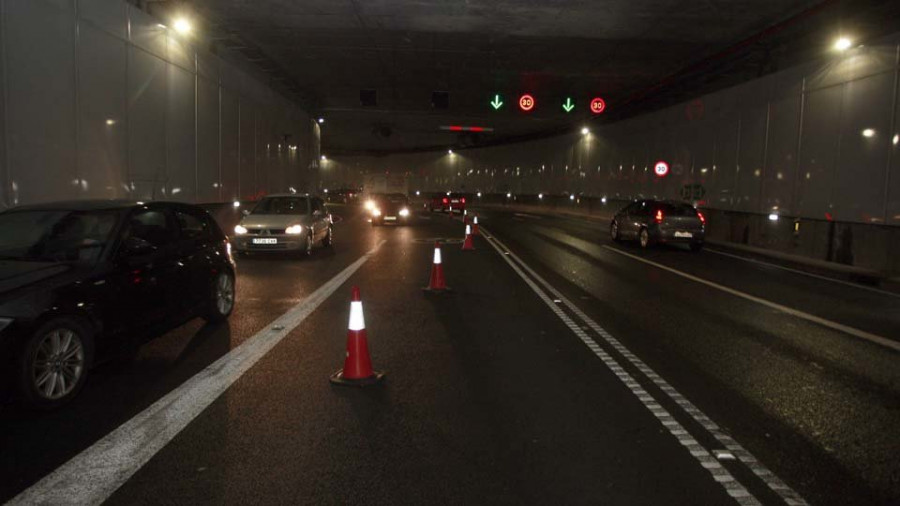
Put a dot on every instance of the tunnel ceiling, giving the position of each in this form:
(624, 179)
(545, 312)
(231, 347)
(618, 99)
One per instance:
(637, 54)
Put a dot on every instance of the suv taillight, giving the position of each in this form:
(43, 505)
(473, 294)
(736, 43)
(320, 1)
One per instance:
(463, 200)
(659, 216)
(702, 218)
(446, 200)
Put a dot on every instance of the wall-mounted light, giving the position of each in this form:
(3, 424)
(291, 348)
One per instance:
(479, 194)
(508, 195)
(110, 122)
(868, 133)
(585, 131)
(182, 26)
(323, 158)
(321, 120)
(449, 151)
(773, 217)
(842, 44)
(237, 203)
(896, 139)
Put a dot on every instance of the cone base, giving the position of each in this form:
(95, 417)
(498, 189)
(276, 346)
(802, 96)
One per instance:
(428, 289)
(338, 379)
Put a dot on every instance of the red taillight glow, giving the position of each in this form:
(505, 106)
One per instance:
(702, 218)
(659, 216)
(445, 200)
(463, 200)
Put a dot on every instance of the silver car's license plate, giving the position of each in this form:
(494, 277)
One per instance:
(265, 240)
(687, 235)
(390, 218)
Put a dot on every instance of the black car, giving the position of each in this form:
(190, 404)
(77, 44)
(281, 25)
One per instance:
(81, 282)
(390, 208)
(653, 221)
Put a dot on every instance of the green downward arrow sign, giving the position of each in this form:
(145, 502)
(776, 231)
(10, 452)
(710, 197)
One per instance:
(568, 106)
(496, 103)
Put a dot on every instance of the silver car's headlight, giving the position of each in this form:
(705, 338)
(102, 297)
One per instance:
(404, 212)
(293, 230)
(240, 230)
(4, 322)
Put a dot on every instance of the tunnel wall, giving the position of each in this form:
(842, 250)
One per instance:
(794, 143)
(101, 101)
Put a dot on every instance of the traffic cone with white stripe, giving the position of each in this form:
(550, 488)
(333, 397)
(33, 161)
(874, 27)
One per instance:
(436, 284)
(357, 369)
(465, 216)
(468, 244)
(475, 225)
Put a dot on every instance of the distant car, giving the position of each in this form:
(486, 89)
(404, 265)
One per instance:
(83, 281)
(652, 221)
(343, 195)
(288, 222)
(446, 201)
(391, 208)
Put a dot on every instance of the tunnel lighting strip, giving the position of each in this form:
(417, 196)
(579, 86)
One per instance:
(460, 128)
(93, 475)
(706, 459)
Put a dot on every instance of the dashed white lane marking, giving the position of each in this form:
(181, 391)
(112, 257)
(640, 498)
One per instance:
(789, 496)
(93, 475)
(719, 474)
(808, 274)
(862, 334)
(529, 216)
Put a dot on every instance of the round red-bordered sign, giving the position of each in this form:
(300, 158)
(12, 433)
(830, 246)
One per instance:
(661, 168)
(526, 102)
(598, 105)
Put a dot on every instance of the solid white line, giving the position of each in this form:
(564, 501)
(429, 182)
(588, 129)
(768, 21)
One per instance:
(703, 456)
(862, 334)
(94, 474)
(797, 271)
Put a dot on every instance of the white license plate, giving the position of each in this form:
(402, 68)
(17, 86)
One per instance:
(454, 201)
(390, 218)
(684, 234)
(265, 240)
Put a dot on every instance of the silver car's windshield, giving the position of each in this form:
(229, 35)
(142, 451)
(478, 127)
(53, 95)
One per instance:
(282, 205)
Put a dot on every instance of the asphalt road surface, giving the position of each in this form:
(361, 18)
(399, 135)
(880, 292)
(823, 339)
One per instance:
(562, 369)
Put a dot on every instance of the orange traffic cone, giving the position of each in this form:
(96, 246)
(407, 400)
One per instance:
(436, 284)
(475, 225)
(357, 369)
(468, 245)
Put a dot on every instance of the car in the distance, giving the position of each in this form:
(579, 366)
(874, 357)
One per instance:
(285, 222)
(391, 208)
(447, 202)
(82, 282)
(653, 221)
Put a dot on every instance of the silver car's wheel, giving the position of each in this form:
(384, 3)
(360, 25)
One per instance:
(644, 238)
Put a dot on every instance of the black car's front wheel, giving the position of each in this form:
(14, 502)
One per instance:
(54, 363)
(614, 231)
(221, 301)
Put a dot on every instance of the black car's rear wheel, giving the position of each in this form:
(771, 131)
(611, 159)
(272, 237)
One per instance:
(54, 362)
(221, 302)
(644, 237)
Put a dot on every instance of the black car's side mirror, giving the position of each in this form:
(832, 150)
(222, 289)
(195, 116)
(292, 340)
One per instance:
(136, 247)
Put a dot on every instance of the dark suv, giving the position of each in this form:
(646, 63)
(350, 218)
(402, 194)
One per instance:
(83, 281)
(654, 221)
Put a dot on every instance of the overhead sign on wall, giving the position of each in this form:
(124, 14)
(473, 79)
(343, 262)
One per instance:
(598, 105)
(526, 102)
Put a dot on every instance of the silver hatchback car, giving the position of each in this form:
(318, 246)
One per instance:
(654, 221)
(285, 223)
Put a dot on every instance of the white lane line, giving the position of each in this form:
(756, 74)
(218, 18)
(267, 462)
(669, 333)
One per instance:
(93, 475)
(862, 334)
(529, 216)
(797, 271)
(705, 458)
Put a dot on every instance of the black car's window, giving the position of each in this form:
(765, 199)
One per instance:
(56, 236)
(631, 208)
(678, 210)
(152, 226)
(643, 209)
(192, 226)
(282, 205)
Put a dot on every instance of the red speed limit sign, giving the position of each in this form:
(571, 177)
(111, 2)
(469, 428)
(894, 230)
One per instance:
(598, 105)
(661, 168)
(526, 102)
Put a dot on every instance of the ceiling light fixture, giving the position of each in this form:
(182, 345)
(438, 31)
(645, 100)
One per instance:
(842, 44)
